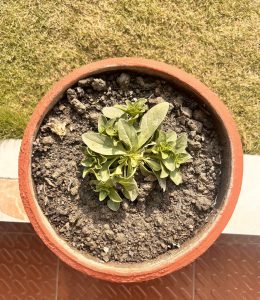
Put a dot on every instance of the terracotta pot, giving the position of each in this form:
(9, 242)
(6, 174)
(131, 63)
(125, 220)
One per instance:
(227, 198)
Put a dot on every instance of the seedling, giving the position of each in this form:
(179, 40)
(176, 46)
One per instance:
(129, 140)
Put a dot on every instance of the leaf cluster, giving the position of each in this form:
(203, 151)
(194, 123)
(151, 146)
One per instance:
(129, 139)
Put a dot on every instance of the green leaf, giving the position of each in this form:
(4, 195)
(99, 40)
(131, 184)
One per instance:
(134, 162)
(130, 188)
(131, 167)
(127, 133)
(104, 172)
(118, 170)
(102, 124)
(112, 112)
(145, 172)
(181, 143)
(176, 177)
(122, 107)
(169, 163)
(85, 172)
(154, 165)
(164, 155)
(182, 158)
(171, 136)
(164, 172)
(87, 162)
(151, 121)
(114, 196)
(102, 195)
(102, 144)
(111, 127)
(110, 131)
(127, 182)
(113, 205)
(161, 181)
(161, 136)
(133, 108)
(141, 102)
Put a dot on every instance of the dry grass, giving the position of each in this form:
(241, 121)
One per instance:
(214, 40)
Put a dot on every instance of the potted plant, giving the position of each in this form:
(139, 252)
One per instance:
(129, 169)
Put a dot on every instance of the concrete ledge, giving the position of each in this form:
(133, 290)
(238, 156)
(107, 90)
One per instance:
(245, 219)
(9, 151)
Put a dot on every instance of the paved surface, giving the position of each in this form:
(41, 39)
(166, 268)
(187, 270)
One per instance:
(228, 271)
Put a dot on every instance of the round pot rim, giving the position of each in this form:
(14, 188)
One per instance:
(162, 265)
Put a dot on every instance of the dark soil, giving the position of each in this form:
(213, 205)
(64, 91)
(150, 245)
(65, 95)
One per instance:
(156, 222)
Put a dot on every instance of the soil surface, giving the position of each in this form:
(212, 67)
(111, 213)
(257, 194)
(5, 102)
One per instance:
(156, 222)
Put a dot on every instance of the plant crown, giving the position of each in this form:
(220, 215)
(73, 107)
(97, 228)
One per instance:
(129, 140)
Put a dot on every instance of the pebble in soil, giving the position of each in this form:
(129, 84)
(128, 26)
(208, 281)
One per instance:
(157, 222)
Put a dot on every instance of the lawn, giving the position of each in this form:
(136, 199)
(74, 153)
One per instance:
(214, 40)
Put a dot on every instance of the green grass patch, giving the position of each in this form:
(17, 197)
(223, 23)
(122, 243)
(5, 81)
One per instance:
(214, 40)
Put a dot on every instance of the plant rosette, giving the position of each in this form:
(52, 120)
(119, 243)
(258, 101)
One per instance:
(129, 169)
(124, 145)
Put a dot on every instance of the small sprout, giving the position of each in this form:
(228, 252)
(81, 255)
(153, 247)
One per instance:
(129, 139)
(133, 109)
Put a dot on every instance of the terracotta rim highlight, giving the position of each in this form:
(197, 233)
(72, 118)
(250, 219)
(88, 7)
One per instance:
(162, 265)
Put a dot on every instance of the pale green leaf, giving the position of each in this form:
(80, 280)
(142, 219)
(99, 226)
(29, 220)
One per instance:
(102, 124)
(181, 143)
(118, 170)
(145, 172)
(161, 136)
(102, 195)
(169, 163)
(161, 181)
(114, 196)
(133, 108)
(122, 107)
(154, 165)
(102, 144)
(164, 172)
(112, 112)
(171, 136)
(85, 172)
(164, 155)
(110, 131)
(130, 188)
(134, 162)
(87, 162)
(111, 127)
(131, 167)
(151, 121)
(104, 172)
(176, 176)
(113, 205)
(127, 133)
(182, 158)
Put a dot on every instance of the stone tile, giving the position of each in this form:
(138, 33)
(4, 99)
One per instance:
(228, 271)
(75, 285)
(12, 227)
(28, 270)
(238, 239)
(9, 152)
(10, 201)
(245, 219)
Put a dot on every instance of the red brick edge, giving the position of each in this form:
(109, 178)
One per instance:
(165, 264)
